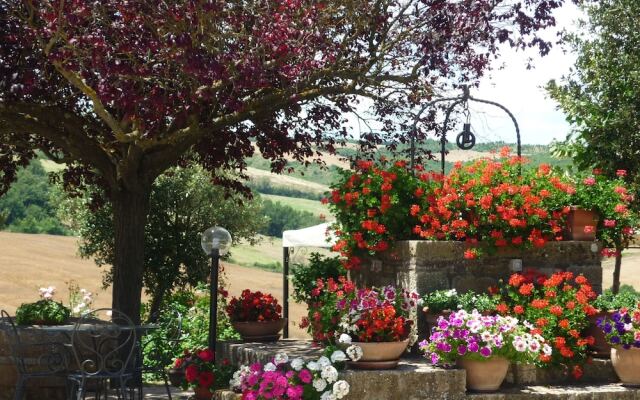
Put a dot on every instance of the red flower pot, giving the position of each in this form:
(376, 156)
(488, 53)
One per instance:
(577, 220)
(260, 331)
(202, 393)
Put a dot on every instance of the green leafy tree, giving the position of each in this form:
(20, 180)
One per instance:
(600, 96)
(183, 204)
(122, 91)
(29, 206)
(283, 217)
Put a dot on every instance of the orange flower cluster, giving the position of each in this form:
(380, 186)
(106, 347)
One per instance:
(559, 306)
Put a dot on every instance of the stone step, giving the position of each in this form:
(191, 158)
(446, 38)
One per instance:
(610, 391)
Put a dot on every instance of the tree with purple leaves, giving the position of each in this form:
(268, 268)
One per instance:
(120, 91)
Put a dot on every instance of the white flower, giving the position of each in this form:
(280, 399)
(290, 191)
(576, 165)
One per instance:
(520, 345)
(340, 389)
(344, 338)
(297, 364)
(269, 367)
(236, 381)
(486, 336)
(281, 358)
(328, 396)
(313, 366)
(534, 346)
(338, 356)
(329, 373)
(324, 362)
(319, 384)
(547, 350)
(354, 352)
(628, 327)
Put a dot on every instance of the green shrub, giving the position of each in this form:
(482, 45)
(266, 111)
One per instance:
(306, 275)
(627, 297)
(476, 301)
(42, 312)
(193, 305)
(440, 300)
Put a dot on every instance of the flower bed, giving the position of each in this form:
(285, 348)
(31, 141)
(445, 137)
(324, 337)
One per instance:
(557, 307)
(488, 204)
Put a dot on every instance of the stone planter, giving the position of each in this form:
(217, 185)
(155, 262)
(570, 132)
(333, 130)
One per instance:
(626, 363)
(379, 355)
(260, 331)
(425, 266)
(50, 388)
(484, 375)
(200, 393)
(577, 219)
(600, 348)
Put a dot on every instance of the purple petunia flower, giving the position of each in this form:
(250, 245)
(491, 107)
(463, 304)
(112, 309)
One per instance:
(462, 350)
(485, 352)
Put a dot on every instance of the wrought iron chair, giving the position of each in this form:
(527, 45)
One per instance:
(33, 360)
(103, 344)
(155, 345)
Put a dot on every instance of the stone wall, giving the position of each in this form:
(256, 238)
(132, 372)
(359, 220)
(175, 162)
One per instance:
(426, 266)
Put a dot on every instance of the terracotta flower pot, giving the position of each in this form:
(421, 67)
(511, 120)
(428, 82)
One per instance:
(601, 347)
(176, 376)
(260, 331)
(378, 355)
(484, 375)
(577, 219)
(202, 393)
(626, 363)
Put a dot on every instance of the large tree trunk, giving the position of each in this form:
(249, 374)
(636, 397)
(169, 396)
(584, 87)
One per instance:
(129, 219)
(615, 287)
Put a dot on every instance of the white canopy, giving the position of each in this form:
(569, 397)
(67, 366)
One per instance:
(313, 236)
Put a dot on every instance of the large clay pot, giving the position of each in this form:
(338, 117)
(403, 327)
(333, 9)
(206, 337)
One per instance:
(260, 331)
(484, 375)
(201, 393)
(600, 348)
(379, 355)
(626, 363)
(577, 219)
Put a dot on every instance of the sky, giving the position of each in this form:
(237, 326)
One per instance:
(522, 92)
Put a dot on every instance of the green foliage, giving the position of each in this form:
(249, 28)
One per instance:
(600, 95)
(627, 297)
(183, 204)
(482, 302)
(42, 312)
(306, 275)
(193, 306)
(440, 300)
(30, 205)
(283, 217)
(265, 187)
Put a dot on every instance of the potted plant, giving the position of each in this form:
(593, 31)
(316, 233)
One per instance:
(482, 302)
(202, 374)
(622, 332)
(294, 379)
(483, 346)
(558, 307)
(606, 304)
(439, 303)
(377, 322)
(45, 311)
(256, 316)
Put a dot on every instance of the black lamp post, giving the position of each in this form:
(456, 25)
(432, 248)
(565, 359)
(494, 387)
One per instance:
(215, 242)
